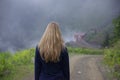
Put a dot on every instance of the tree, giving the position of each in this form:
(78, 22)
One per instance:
(116, 23)
(106, 42)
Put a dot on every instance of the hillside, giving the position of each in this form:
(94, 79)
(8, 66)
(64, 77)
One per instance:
(94, 38)
(99, 35)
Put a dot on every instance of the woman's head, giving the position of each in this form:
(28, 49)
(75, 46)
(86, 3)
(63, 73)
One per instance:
(51, 43)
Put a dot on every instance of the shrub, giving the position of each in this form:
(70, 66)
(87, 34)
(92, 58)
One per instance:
(9, 62)
(112, 59)
(6, 65)
(23, 57)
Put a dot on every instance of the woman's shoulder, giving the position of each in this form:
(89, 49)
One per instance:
(64, 51)
(64, 48)
(37, 50)
(36, 47)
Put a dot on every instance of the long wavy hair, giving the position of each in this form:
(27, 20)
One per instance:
(51, 43)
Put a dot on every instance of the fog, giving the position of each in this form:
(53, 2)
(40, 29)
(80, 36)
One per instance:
(22, 22)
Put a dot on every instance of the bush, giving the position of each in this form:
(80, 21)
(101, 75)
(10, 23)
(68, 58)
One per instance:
(6, 65)
(23, 57)
(112, 59)
(9, 62)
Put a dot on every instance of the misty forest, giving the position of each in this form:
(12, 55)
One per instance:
(90, 29)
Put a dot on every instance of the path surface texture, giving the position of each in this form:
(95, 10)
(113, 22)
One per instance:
(87, 67)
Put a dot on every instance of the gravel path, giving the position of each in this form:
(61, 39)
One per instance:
(86, 68)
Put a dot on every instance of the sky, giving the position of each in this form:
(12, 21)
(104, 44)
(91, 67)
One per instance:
(22, 22)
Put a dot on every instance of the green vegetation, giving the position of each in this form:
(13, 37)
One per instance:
(84, 51)
(5, 63)
(15, 66)
(112, 60)
(116, 23)
(112, 55)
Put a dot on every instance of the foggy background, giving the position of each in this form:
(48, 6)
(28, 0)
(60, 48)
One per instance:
(22, 22)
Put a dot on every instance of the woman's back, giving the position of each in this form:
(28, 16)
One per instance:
(51, 56)
(53, 70)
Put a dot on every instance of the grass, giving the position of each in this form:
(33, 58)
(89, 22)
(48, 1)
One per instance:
(16, 66)
(85, 51)
(19, 73)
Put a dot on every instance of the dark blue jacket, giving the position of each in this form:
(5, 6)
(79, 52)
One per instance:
(51, 70)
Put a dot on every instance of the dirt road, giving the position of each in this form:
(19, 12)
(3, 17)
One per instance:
(87, 67)
(84, 67)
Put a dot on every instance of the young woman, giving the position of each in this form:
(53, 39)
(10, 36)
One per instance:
(51, 56)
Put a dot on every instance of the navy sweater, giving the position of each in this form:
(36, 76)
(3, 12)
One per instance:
(51, 70)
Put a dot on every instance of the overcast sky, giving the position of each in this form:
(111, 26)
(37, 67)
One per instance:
(22, 22)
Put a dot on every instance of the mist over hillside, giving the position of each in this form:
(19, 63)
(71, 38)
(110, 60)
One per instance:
(22, 22)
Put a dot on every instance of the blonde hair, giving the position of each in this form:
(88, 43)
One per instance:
(51, 43)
